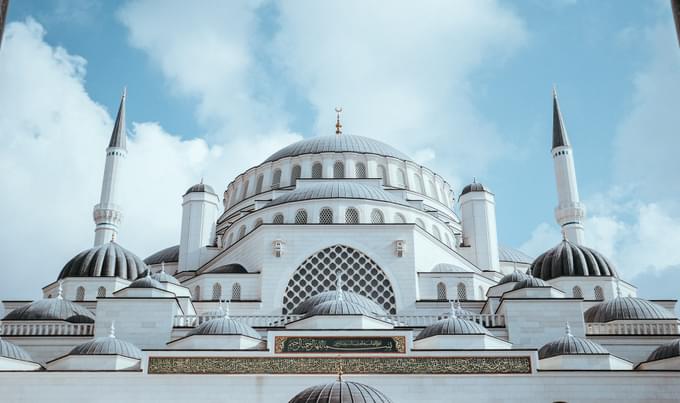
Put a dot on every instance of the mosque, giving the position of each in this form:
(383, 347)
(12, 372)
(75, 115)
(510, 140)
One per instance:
(339, 270)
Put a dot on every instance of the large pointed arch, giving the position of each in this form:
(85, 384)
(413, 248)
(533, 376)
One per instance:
(360, 274)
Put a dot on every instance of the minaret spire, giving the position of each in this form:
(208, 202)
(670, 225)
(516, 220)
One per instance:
(107, 214)
(569, 212)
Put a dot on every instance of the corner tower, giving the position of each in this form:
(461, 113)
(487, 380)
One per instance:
(199, 212)
(478, 216)
(569, 212)
(107, 214)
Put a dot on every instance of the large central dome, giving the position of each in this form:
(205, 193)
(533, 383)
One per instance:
(338, 144)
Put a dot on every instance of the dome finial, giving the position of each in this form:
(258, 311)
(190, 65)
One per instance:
(474, 179)
(454, 314)
(567, 329)
(226, 308)
(338, 286)
(163, 267)
(338, 125)
(340, 373)
(618, 289)
(112, 330)
(113, 237)
(60, 294)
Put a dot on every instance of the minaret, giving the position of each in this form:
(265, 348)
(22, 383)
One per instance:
(569, 212)
(107, 214)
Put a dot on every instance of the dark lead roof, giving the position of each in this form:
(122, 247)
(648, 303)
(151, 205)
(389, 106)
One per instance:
(224, 326)
(570, 345)
(107, 346)
(167, 255)
(52, 309)
(626, 308)
(118, 135)
(452, 326)
(570, 259)
(337, 190)
(11, 350)
(231, 268)
(338, 144)
(474, 187)
(106, 260)
(332, 295)
(340, 392)
(508, 254)
(559, 132)
(668, 350)
(200, 188)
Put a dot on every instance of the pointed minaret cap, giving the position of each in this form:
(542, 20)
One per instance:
(118, 135)
(559, 131)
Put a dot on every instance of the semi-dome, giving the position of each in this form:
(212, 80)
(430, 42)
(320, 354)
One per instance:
(167, 255)
(337, 190)
(452, 326)
(145, 282)
(668, 350)
(474, 187)
(340, 392)
(52, 309)
(106, 260)
(332, 295)
(512, 255)
(338, 307)
(11, 350)
(514, 277)
(570, 345)
(108, 345)
(200, 188)
(626, 308)
(338, 144)
(231, 268)
(530, 282)
(224, 326)
(570, 259)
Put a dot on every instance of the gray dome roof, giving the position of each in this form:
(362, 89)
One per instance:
(570, 345)
(145, 282)
(200, 188)
(513, 277)
(337, 190)
(508, 254)
(222, 327)
(52, 309)
(626, 308)
(161, 277)
(338, 144)
(340, 392)
(530, 282)
(106, 260)
(348, 296)
(668, 350)
(452, 326)
(11, 350)
(167, 255)
(474, 187)
(107, 346)
(338, 307)
(570, 259)
(232, 268)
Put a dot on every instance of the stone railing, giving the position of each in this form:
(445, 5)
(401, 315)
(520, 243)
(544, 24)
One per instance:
(642, 327)
(486, 320)
(40, 328)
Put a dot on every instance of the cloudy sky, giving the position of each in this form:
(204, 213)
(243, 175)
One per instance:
(461, 86)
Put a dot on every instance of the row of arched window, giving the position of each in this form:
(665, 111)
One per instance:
(217, 292)
(577, 292)
(442, 294)
(80, 293)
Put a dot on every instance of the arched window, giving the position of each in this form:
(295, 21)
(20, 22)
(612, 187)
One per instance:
(462, 291)
(230, 239)
(431, 191)
(351, 216)
(418, 183)
(382, 174)
(338, 170)
(197, 292)
(399, 219)
(599, 293)
(441, 291)
(326, 216)
(276, 180)
(101, 292)
(258, 222)
(576, 292)
(360, 170)
(232, 198)
(401, 178)
(217, 291)
(258, 184)
(278, 219)
(420, 223)
(377, 217)
(295, 174)
(317, 170)
(436, 233)
(244, 194)
(80, 294)
(242, 232)
(301, 217)
(236, 292)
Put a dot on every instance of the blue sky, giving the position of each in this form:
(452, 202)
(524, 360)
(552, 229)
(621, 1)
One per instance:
(471, 80)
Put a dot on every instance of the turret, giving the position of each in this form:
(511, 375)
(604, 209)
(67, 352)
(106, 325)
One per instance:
(569, 212)
(478, 211)
(199, 213)
(107, 214)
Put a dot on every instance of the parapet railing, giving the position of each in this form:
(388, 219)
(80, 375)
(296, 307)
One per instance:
(486, 320)
(46, 329)
(643, 327)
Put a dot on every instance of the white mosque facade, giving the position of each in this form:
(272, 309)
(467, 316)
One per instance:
(339, 270)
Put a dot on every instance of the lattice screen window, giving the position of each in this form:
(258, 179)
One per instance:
(197, 292)
(258, 184)
(351, 216)
(599, 294)
(360, 170)
(326, 216)
(244, 194)
(80, 294)
(242, 232)
(301, 217)
(217, 291)
(278, 219)
(276, 180)
(436, 233)
(236, 292)
(360, 274)
(101, 292)
(441, 292)
(577, 292)
(462, 291)
(377, 217)
(295, 174)
(382, 174)
(338, 170)
(317, 170)
(399, 218)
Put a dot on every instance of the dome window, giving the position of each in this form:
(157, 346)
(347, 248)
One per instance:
(80, 294)
(399, 219)
(401, 177)
(436, 233)
(278, 219)
(295, 174)
(276, 180)
(326, 216)
(441, 292)
(338, 170)
(244, 193)
(599, 293)
(197, 292)
(301, 217)
(317, 171)
(382, 174)
(420, 224)
(101, 292)
(577, 292)
(351, 216)
(230, 239)
(377, 217)
(217, 292)
(258, 184)
(258, 222)
(236, 292)
(241, 232)
(462, 291)
(360, 170)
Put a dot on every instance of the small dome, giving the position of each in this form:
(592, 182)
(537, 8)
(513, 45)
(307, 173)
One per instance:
(337, 190)
(668, 350)
(200, 188)
(232, 268)
(161, 276)
(338, 307)
(512, 255)
(340, 392)
(107, 346)
(570, 259)
(223, 327)
(167, 255)
(530, 282)
(474, 187)
(11, 350)
(570, 345)
(106, 260)
(626, 308)
(52, 309)
(145, 282)
(452, 326)
(514, 277)
(331, 295)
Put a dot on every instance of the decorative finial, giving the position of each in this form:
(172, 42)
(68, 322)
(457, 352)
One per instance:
(474, 179)
(338, 125)
(112, 330)
(113, 237)
(554, 90)
(454, 314)
(340, 373)
(163, 267)
(201, 180)
(60, 295)
(148, 272)
(226, 308)
(567, 329)
(618, 288)
(459, 309)
(338, 286)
